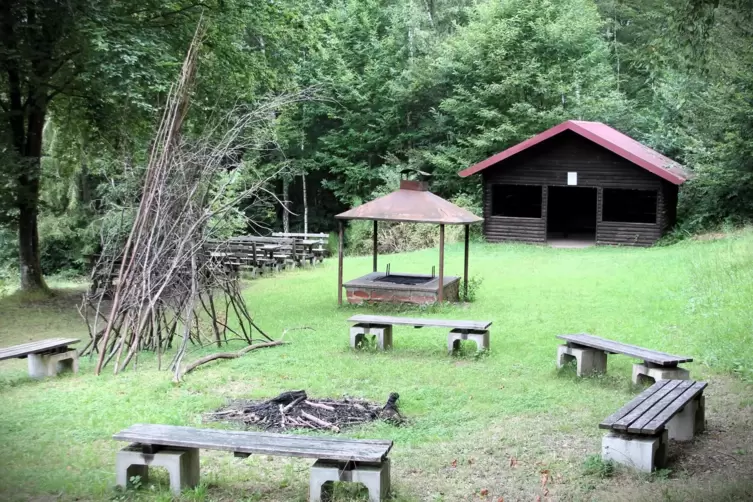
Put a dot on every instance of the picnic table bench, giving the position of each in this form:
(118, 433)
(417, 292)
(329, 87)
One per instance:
(308, 241)
(46, 357)
(381, 327)
(669, 409)
(176, 448)
(590, 353)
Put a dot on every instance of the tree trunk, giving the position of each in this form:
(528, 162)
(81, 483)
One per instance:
(285, 205)
(28, 250)
(28, 202)
(305, 207)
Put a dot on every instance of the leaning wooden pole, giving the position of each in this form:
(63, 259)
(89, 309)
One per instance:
(465, 263)
(375, 246)
(340, 263)
(441, 263)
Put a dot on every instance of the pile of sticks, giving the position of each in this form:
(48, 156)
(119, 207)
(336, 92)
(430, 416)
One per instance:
(170, 293)
(294, 410)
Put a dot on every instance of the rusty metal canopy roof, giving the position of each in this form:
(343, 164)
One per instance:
(411, 203)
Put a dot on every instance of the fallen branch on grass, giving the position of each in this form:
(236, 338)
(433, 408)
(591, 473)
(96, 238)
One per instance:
(224, 355)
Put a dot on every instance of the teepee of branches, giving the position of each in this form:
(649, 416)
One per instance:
(171, 293)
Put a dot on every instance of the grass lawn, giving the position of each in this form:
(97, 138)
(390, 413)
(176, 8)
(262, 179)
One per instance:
(480, 428)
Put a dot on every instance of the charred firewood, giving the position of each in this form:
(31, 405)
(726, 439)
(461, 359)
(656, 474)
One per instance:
(288, 397)
(390, 412)
(300, 412)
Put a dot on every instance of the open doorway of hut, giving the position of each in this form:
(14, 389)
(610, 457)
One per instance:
(571, 216)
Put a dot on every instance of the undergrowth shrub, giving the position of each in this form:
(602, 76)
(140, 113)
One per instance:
(474, 284)
(594, 465)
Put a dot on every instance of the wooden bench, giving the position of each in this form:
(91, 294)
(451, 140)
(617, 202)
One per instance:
(46, 357)
(669, 409)
(177, 449)
(590, 353)
(381, 328)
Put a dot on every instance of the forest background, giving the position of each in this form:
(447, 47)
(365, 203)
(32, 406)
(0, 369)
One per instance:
(429, 85)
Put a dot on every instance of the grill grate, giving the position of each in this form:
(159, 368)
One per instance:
(407, 280)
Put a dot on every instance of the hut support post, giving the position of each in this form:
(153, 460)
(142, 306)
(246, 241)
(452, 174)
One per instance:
(441, 263)
(465, 264)
(340, 263)
(375, 245)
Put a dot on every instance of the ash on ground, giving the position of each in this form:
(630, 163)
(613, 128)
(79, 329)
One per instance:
(294, 410)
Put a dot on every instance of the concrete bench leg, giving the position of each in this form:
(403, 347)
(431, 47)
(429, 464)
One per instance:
(47, 365)
(588, 361)
(375, 477)
(481, 337)
(649, 371)
(382, 332)
(689, 422)
(181, 465)
(644, 453)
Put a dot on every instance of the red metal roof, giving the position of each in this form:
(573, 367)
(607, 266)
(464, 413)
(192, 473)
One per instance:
(601, 134)
(411, 203)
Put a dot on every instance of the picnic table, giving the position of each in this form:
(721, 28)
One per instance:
(270, 249)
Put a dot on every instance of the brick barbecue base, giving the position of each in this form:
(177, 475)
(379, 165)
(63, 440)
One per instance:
(362, 294)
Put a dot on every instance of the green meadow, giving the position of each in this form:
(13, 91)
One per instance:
(503, 425)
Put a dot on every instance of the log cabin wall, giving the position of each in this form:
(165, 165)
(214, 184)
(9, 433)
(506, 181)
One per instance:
(548, 163)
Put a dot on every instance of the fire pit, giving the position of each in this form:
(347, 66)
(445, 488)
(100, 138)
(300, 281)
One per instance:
(411, 203)
(419, 289)
(406, 280)
(295, 410)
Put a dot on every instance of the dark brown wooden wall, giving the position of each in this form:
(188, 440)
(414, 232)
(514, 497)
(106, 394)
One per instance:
(548, 163)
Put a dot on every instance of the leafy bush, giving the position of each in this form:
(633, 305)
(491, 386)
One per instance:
(474, 284)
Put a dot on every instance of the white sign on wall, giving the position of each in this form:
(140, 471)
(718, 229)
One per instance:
(572, 178)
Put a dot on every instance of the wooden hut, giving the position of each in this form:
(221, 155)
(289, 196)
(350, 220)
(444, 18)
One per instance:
(579, 180)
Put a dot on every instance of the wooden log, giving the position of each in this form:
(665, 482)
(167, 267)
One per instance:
(302, 398)
(223, 355)
(320, 422)
(288, 397)
(319, 405)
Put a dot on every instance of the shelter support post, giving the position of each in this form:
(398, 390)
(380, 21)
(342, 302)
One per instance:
(375, 245)
(440, 297)
(340, 263)
(465, 264)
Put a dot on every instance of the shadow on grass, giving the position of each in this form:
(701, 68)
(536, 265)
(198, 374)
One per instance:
(604, 380)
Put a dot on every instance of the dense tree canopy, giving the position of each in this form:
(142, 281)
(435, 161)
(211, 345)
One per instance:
(433, 85)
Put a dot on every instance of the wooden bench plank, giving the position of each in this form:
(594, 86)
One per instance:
(645, 405)
(608, 422)
(25, 349)
(415, 321)
(658, 422)
(648, 355)
(638, 425)
(323, 448)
